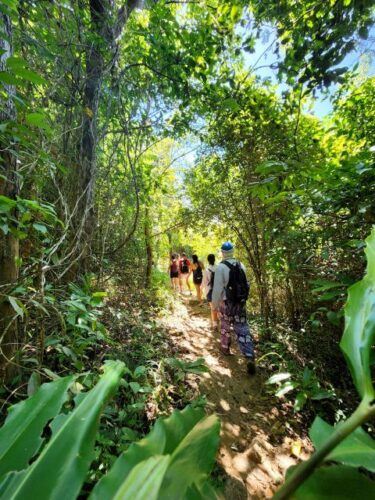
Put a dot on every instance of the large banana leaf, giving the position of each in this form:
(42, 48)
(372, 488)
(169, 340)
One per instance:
(62, 466)
(359, 331)
(357, 450)
(164, 439)
(20, 436)
(144, 480)
(336, 482)
(193, 459)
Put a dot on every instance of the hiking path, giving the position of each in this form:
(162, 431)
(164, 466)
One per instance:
(257, 442)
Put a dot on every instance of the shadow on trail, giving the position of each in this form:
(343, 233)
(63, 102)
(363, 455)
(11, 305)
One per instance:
(254, 451)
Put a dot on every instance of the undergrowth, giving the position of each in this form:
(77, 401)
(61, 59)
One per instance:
(84, 327)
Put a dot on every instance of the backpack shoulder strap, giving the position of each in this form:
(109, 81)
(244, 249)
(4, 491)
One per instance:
(228, 264)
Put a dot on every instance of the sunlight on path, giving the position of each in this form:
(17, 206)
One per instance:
(255, 446)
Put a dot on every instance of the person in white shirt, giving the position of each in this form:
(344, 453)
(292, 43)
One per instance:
(229, 299)
(208, 285)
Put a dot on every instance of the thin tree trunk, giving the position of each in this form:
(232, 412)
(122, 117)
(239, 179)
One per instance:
(105, 30)
(9, 245)
(149, 250)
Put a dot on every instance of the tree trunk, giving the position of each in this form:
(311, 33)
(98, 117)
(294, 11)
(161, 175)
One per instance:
(9, 245)
(106, 27)
(149, 250)
(89, 138)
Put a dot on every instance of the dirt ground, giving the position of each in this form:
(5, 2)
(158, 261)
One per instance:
(257, 444)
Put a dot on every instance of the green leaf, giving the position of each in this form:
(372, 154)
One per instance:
(335, 482)
(139, 371)
(164, 438)
(231, 104)
(357, 450)
(12, 4)
(17, 305)
(30, 76)
(20, 435)
(40, 227)
(38, 120)
(278, 377)
(193, 459)
(134, 386)
(285, 388)
(100, 294)
(144, 480)
(61, 468)
(300, 401)
(7, 78)
(359, 333)
(7, 204)
(33, 383)
(14, 62)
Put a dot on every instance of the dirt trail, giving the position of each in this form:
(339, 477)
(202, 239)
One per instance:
(256, 446)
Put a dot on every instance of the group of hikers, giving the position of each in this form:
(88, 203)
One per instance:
(226, 289)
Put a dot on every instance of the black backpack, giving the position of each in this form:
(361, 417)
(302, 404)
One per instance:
(184, 266)
(237, 289)
(198, 275)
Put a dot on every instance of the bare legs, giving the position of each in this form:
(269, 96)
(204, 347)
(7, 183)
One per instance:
(174, 284)
(184, 277)
(199, 292)
(214, 317)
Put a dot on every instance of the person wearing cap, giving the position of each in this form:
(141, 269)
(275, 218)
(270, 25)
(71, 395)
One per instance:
(232, 315)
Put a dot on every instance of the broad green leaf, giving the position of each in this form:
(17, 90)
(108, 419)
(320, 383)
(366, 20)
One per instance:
(201, 492)
(20, 435)
(357, 450)
(278, 377)
(231, 104)
(12, 4)
(7, 78)
(17, 305)
(33, 383)
(335, 482)
(193, 459)
(271, 167)
(28, 75)
(38, 120)
(61, 468)
(14, 62)
(359, 333)
(7, 204)
(164, 438)
(144, 480)
(140, 370)
(285, 388)
(40, 227)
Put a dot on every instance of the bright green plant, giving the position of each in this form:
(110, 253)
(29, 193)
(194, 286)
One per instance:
(84, 331)
(173, 460)
(304, 388)
(346, 444)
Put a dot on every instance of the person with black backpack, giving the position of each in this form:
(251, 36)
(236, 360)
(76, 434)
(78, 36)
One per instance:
(229, 296)
(198, 267)
(185, 271)
(208, 286)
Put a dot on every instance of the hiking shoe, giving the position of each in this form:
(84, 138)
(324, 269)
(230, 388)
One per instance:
(251, 368)
(224, 351)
